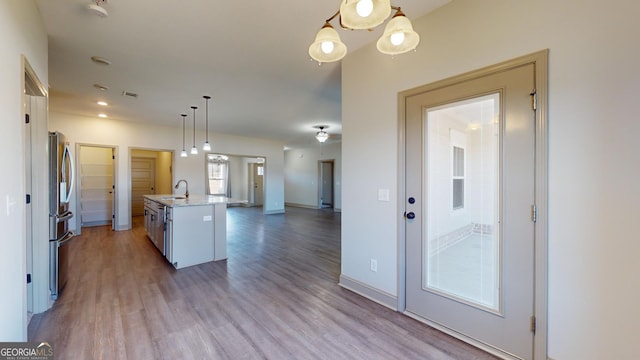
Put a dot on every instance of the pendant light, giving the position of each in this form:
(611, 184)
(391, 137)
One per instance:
(194, 149)
(183, 153)
(206, 146)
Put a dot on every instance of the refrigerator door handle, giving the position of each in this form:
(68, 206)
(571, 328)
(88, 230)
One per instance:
(64, 217)
(67, 237)
(67, 156)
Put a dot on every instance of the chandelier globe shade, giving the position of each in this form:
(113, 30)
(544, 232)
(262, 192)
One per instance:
(398, 37)
(364, 14)
(327, 47)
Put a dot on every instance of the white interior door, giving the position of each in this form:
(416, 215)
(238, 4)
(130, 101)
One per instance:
(470, 184)
(143, 180)
(96, 185)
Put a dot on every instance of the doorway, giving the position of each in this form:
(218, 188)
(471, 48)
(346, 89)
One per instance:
(151, 173)
(474, 192)
(97, 185)
(325, 184)
(238, 177)
(256, 183)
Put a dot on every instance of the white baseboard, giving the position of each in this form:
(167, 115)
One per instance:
(373, 294)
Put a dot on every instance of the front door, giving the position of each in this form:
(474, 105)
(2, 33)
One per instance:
(470, 184)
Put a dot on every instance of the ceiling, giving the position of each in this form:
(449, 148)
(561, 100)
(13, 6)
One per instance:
(249, 56)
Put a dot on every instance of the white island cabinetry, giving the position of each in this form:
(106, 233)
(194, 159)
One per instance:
(195, 229)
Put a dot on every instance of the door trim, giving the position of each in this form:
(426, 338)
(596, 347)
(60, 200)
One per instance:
(78, 185)
(540, 61)
(320, 185)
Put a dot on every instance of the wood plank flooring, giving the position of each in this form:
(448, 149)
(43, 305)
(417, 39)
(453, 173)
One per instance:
(276, 297)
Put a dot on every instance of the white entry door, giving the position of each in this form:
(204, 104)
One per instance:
(470, 184)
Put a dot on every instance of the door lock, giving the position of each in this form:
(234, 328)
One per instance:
(410, 215)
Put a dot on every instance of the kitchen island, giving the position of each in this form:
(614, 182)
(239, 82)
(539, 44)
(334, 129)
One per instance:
(187, 230)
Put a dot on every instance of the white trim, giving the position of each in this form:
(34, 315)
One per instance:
(373, 294)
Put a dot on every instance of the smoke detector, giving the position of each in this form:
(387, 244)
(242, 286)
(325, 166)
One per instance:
(96, 9)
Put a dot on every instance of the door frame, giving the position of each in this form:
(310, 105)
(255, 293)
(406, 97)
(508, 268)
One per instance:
(132, 149)
(320, 182)
(78, 189)
(540, 61)
(39, 293)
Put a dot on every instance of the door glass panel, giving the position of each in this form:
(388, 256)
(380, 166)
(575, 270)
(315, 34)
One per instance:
(462, 259)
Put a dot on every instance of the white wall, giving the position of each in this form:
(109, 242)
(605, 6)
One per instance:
(593, 164)
(301, 174)
(126, 135)
(21, 33)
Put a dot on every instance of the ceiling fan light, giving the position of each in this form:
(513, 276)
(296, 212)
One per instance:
(322, 136)
(351, 10)
(390, 44)
(321, 51)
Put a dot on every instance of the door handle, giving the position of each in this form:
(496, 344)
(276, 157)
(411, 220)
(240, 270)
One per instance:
(410, 215)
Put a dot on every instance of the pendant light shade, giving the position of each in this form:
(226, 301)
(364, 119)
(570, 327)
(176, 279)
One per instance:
(327, 46)
(183, 153)
(194, 149)
(398, 37)
(364, 14)
(206, 146)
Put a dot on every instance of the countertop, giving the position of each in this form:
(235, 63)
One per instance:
(175, 200)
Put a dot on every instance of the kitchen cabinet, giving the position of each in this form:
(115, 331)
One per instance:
(193, 231)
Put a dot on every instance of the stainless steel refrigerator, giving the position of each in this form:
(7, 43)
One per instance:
(61, 183)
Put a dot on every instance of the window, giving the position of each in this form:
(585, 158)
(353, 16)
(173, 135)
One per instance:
(218, 176)
(458, 178)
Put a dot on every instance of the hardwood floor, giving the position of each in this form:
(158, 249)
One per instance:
(276, 297)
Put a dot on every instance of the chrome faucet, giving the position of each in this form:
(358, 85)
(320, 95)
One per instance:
(186, 193)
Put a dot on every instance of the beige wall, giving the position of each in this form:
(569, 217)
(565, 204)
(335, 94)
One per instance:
(301, 174)
(593, 163)
(21, 33)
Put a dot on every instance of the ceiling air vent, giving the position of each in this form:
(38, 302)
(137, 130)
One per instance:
(130, 94)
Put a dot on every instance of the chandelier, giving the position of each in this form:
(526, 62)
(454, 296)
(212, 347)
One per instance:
(398, 37)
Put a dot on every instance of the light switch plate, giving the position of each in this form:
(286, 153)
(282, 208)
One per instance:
(206, 218)
(383, 195)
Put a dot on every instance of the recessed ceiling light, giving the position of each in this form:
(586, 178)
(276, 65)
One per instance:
(100, 60)
(102, 115)
(102, 103)
(100, 87)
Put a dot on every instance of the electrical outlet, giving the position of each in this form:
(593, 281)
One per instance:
(374, 265)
